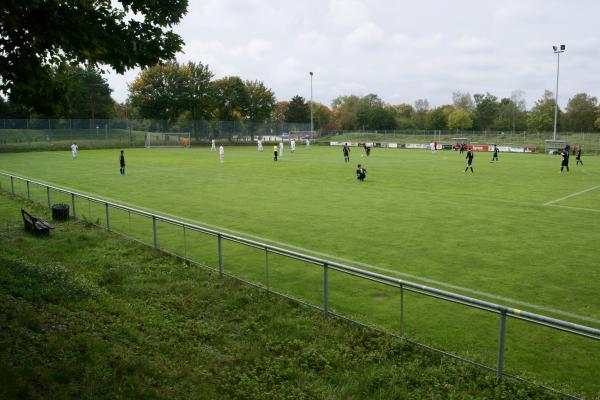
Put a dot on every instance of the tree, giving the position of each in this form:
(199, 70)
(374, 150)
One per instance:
(420, 115)
(197, 94)
(460, 119)
(322, 116)
(278, 112)
(597, 123)
(261, 101)
(87, 93)
(298, 110)
(486, 110)
(403, 114)
(437, 119)
(231, 99)
(580, 114)
(463, 100)
(38, 37)
(541, 116)
(371, 113)
(157, 92)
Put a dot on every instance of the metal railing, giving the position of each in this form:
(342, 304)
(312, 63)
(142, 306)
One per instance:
(108, 209)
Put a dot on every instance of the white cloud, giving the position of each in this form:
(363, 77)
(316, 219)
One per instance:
(366, 36)
(312, 41)
(348, 13)
(258, 48)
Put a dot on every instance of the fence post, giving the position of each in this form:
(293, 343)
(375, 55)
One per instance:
(184, 244)
(48, 194)
(28, 192)
(107, 220)
(220, 250)
(500, 370)
(12, 185)
(154, 229)
(267, 268)
(325, 290)
(401, 310)
(73, 205)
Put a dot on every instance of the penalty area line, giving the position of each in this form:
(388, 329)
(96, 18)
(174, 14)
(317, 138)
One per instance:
(551, 202)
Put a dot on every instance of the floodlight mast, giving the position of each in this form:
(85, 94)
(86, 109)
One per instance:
(311, 104)
(557, 51)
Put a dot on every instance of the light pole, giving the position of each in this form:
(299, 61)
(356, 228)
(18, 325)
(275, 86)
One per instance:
(557, 51)
(311, 105)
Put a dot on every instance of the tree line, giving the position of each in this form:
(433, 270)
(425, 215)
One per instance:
(174, 92)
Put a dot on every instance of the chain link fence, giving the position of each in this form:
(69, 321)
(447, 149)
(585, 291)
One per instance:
(49, 134)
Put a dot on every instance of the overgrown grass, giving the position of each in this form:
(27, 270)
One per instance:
(86, 314)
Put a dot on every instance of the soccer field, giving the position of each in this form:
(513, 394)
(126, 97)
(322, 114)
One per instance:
(516, 232)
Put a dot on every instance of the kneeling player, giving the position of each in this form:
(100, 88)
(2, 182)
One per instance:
(361, 173)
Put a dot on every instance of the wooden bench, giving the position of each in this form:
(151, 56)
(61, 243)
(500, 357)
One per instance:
(35, 225)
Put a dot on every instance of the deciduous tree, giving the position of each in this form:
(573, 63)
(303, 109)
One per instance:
(37, 37)
(541, 116)
(580, 114)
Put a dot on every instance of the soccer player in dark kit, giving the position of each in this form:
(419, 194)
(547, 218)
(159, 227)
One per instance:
(346, 151)
(361, 173)
(578, 157)
(122, 162)
(469, 158)
(495, 156)
(564, 160)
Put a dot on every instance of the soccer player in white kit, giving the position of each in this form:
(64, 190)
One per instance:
(432, 145)
(74, 150)
(259, 143)
(307, 143)
(221, 154)
(213, 148)
(293, 145)
(281, 149)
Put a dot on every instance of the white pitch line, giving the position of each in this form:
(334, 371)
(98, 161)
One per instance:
(356, 263)
(574, 208)
(571, 195)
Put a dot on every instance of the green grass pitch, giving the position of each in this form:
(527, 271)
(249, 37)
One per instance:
(516, 232)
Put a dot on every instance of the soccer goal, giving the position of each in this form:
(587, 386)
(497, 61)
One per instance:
(167, 139)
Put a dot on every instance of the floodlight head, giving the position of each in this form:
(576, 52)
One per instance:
(311, 74)
(555, 48)
(562, 46)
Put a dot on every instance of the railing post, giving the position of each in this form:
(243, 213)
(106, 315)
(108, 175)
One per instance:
(73, 205)
(28, 192)
(401, 310)
(184, 244)
(48, 194)
(220, 250)
(12, 185)
(154, 229)
(267, 268)
(500, 370)
(325, 290)
(108, 220)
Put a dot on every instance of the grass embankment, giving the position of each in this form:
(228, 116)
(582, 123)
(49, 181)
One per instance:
(86, 314)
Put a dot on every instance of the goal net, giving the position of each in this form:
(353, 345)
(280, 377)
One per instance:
(167, 139)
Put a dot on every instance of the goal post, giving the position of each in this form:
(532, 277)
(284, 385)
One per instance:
(167, 139)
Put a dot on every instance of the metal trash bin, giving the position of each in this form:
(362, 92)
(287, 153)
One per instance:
(60, 212)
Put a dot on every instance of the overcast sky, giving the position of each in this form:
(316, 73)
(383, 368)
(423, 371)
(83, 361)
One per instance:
(400, 50)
